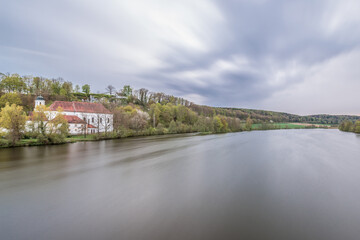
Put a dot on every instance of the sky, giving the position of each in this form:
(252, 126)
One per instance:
(296, 56)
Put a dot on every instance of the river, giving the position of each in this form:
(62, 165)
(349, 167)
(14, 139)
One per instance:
(282, 184)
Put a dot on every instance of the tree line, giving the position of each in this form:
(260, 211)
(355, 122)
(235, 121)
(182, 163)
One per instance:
(136, 111)
(350, 126)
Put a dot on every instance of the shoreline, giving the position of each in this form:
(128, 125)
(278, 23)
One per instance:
(93, 138)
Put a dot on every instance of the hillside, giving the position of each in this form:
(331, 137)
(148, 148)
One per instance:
(259, 116)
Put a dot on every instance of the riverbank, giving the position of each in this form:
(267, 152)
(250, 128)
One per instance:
(4, 143)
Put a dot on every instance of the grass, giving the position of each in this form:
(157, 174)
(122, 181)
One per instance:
(287, 126)
(21, 143)
(81, 138)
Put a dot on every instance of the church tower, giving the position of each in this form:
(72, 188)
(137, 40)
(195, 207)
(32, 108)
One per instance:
(39, 101)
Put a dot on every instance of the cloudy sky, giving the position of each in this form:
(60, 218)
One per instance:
(295, 56)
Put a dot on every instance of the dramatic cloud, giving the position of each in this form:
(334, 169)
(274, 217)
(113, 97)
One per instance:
(295, 56)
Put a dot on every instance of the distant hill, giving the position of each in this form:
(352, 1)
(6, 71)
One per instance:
(267, 116)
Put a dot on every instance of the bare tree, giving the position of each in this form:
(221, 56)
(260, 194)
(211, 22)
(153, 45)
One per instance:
(103, 123)
(142, 96)
(110, 89)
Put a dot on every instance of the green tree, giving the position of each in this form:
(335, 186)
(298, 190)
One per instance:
(86, 90)
(77, 89)
(346, 126)
(58, 128)
(218, 125)
(167, 114)
(38, 85)
(357, 127)
(154, 112)
(49, 128)
(248, 124)
(172, 127)
(55, 87)
(13, 83)
(66, 89)
(13, 119)
(10, 98)
(127, 92)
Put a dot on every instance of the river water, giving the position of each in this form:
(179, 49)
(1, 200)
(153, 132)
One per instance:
(284, 184)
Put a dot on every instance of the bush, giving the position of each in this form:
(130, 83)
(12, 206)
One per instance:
(160, 129)
(172, 127)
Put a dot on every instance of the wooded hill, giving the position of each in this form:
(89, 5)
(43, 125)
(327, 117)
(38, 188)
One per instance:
(260, 116)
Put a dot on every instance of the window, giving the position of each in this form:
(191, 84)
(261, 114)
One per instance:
(100, 120)
(92, 119)
(85, 119)
(108, 120)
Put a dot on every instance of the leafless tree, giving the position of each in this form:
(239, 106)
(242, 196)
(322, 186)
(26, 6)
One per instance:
(110, 89)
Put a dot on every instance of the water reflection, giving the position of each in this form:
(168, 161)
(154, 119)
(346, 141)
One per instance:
(293, 184)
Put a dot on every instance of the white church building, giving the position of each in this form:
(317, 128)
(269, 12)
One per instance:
(81, 116)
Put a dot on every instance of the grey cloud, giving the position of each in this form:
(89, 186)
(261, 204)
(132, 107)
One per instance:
(178, 47)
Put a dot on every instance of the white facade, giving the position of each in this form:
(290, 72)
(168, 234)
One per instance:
(101, 121)
(74, 128)
(78, 129)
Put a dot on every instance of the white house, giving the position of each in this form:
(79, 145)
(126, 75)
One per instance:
(81, 116)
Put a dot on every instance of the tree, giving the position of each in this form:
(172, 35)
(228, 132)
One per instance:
(110, 89)
(39, 121)
(66, 89)
(13, 83)
(218, 125)
(47, 127)
(172, 127)
(28, 82)
(55, 87)
(357, 127)
(346, 126)
(126, 91)
(154, 113)
(77, 89)
(121, 118)
(10, 98)
(167, 114)
(103, 122)
(142, 96)
(38, 85)
(249, 123)
(13, 119)
(58, 128)
(139, 120)
(86, 90)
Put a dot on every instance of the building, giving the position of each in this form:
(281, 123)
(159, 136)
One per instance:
(81, 116)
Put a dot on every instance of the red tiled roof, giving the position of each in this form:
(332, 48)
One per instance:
(90, 126)
(74, 119)
(85, 107)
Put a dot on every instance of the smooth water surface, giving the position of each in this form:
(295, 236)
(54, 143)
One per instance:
(286, 184)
